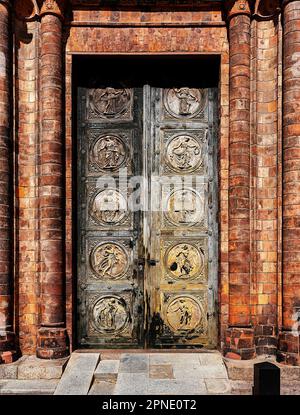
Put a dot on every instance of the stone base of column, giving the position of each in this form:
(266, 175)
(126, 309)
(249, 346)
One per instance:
(239, 343)
(8, 352)
(266, 340)
(288, 348)
(52, 343)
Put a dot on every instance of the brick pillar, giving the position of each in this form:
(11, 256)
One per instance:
(265, 183)
(239, 342)
(289, 336)
(7, 337)
(52, 336)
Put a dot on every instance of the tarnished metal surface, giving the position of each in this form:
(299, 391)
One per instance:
(182, 286)
(110, 280)
(147, 277)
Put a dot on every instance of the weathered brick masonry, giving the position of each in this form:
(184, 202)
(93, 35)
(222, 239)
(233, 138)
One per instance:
(258, 164)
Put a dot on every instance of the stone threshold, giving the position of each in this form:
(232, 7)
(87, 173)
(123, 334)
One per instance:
(32, 368)
(145, 350)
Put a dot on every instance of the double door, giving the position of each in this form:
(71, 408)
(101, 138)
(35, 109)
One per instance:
(147, 216)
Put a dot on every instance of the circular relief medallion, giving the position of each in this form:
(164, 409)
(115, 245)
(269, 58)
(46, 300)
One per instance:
(110, 102)
(185, 207)
(183, 153)
(184, 261)
(108, 207)
(110, 314)
(184, 102)
(108, 152)
(184, 313)
(109, 260)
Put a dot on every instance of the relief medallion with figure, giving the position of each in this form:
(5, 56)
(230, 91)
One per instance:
(110, 103)
(185, 207)
(184, 102)
(109, 260)
(183, 314)
(108, 206)
(108, 152)
(110, 314)
(184, 261)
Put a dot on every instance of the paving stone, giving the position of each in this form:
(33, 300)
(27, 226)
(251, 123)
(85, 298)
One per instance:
(28, 387)
(239, 387)
(177, 387)
(290, 388)
(10, 370)
(213, 372)
(218, 386)
(180, 359)
(132, 384)
(78, 375)
(107, 370)
(101, 387)
(201, 372)
(164, 371)
(239, 370)
(108, 355)
(289, 372)
(210, 358)
(134, 363)
(35, 368)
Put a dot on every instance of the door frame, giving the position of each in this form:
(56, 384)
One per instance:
(190, 56)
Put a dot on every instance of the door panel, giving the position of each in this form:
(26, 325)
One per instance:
(110, 282)
(147, 277)
(183, 248)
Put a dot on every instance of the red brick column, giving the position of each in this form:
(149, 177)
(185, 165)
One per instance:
(239, 342)
(289, 336)
(52, 337)
(7, 337)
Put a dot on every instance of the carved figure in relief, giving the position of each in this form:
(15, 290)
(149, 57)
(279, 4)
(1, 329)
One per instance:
(186, 98)
(183, 261)
(109, 206)
(109, 261)
(110, 314)
(184, 102)
(183, 207)
(184, 313)
(109, 102)
(183, 152)
(110, 97)
(107, 316)
(110, 152)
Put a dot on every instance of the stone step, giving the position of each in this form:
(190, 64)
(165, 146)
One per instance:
(101, 387)
(107, 370)
(35, 368)
(27, 387)
(78, 375)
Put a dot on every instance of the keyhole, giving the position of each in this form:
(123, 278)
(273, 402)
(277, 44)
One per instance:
(173, 266)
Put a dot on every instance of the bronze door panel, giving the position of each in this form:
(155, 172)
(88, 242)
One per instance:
(110, 279)
(147, 277)
(182, 282)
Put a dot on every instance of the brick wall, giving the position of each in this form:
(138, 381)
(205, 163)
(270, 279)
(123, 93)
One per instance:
(128, 31)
